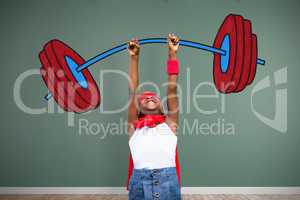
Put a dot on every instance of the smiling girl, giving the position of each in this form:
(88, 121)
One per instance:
(154, 168)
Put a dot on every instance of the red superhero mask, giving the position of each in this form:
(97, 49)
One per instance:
(146, 95)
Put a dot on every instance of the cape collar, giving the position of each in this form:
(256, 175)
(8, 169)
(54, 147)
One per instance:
(149, 121)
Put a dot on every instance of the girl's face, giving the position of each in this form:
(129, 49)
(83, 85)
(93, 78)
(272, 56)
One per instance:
(149, 103)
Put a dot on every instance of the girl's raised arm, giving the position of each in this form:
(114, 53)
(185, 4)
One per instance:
(133, 50)
(172, 70)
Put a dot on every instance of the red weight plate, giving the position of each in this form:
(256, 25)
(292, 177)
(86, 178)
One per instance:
(253, 59)
(61, 74)
(247, 56)
(64, 99)
(43, 70)
(57, 93)
(61, 83)
(57, 90)
(91, 94)
(68, 105)
(86, 98)
(232, 26)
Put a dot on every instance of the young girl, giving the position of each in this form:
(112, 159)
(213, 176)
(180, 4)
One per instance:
(153, 169)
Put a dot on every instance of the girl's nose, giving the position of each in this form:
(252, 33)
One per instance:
(149, 98)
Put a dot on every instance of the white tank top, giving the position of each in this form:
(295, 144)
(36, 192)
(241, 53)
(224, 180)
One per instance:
(153, 148)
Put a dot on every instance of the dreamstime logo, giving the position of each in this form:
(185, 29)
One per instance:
(279, 122)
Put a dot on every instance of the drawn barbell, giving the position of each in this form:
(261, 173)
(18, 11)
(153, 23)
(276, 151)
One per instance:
(72, 86)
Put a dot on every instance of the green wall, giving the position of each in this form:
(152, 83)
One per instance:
(42, 150)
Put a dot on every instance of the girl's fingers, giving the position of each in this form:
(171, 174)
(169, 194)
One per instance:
(172, 37)
(133, 43)
(130, 45)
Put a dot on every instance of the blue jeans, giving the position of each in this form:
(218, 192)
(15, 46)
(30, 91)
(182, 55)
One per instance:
(146, 184)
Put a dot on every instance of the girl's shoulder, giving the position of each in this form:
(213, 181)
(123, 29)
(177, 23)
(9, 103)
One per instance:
(165, 128)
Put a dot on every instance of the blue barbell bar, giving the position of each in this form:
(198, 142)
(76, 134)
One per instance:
(124, 46)
(186, 43)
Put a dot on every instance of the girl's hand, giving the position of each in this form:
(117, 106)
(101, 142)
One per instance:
(134, 47)
(173, 43)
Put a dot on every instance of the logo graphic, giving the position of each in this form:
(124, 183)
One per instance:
(279, 122)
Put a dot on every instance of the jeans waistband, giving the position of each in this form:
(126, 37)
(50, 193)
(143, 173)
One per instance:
(161, 171)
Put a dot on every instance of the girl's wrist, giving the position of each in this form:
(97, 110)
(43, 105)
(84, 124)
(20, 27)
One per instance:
(134, 57)
(172, 55)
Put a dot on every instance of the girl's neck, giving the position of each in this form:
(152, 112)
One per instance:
(141, 115)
